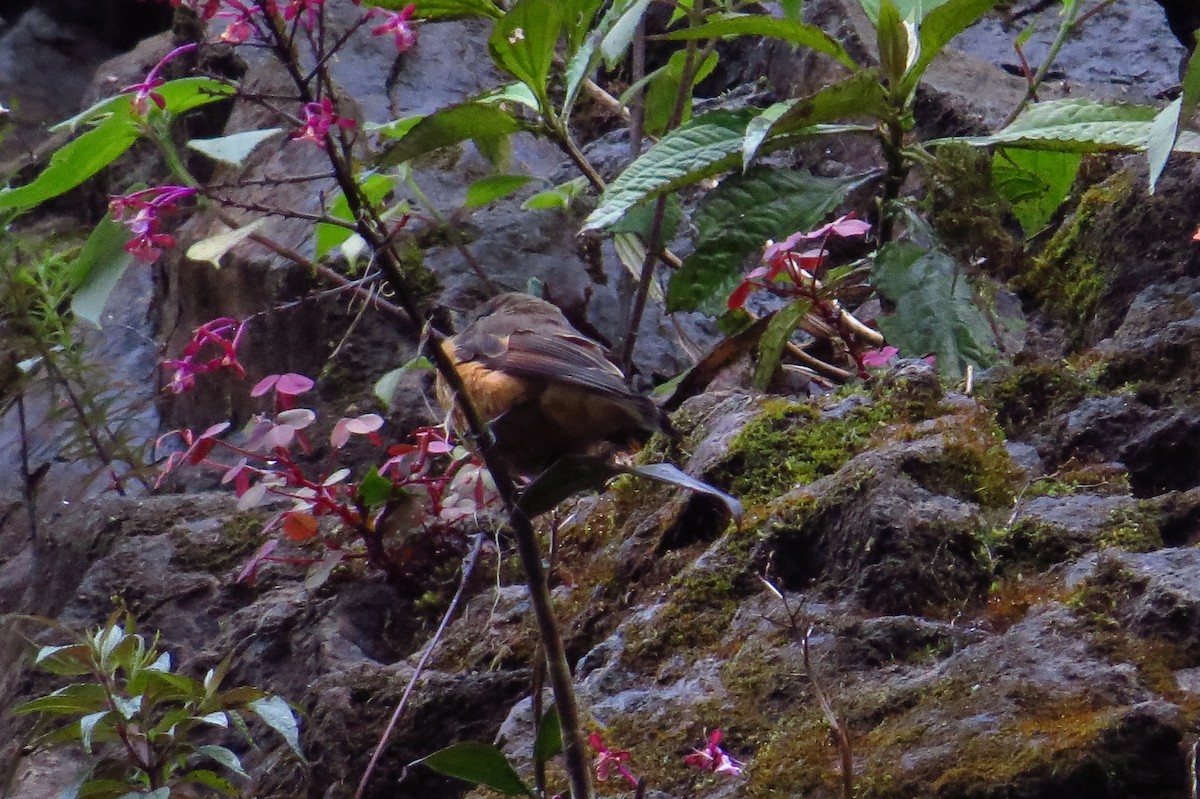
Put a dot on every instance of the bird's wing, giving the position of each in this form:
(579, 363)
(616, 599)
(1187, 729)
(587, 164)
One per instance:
(561, 358)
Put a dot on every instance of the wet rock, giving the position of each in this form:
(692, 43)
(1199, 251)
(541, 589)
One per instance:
(1053, 529)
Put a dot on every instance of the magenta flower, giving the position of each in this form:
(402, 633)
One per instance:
(242, 26)
(713, 758)
(305, 10)
(318, 119)
(142, 212)
(225, 335)
(143, 93)
(397, 25)
(608, 760)
(880, 357)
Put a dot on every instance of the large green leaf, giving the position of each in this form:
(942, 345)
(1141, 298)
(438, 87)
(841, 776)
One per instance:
(618, 28)
(523, 43)
(450, 126)
(95, 271)
(934, 307)
(738, 217)
(772, 27)
(438, 10)
(1075, 125)
(937, 28)
(705, 146)
(662, 90)
(74, 162)
(182, 94)
(1035, 183)
(859, 95)
(478, 763)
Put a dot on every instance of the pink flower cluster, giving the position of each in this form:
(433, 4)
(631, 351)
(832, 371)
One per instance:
(714, 758)
(142, 212)
(222, 334)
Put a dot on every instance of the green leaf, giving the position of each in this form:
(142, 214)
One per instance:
(478, 763)
(210, 779)
(182, 94)
(397, 128)
(937, 28)
(549, 741)
(1075, 125)
(738, 217)
(158, 793)
(213, 248)
(235, 148)
(71, 700)
(558, 197)
(705, 146)
(579, 16)
(87, 727)
(664, 87)
(581, 67)
(792, 9)
(375, 186)
(278, 716)
(1035, 183)
(523, 43)
(891, 35)
(492, 188)
(98, 268)
(673, 475)
(860, 94)
(934, 307)
(914, 10)
(374, 489)
(441, 10)
(225, 757)
(775, 338)
(619, 26)
(789, 30)
(73, 163)
(640, 219)
(1164, 133)
(385, 386)
(450, 126)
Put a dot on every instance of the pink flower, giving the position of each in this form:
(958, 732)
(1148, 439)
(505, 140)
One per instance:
(141, 213)
(713, 758)
(305, 10)
(880, 357)
(225, 335)
(396, 25)
(242, 25)
(143, 93)
(318, 119)
(608, 760)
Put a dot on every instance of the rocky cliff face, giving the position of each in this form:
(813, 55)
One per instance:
(994, 591)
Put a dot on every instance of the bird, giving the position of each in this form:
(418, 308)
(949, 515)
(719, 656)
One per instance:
(545, 389)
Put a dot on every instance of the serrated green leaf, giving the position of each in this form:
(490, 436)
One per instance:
(738, 217)
(1075, 125)
(1035, 182)
(450, 126)
(523, 44)
(73, 163)
(375, 186)
(789, 30)
(891, 36)
(934, 308)
(492, 188)
(442, 10)
(278, 716)
(860, 94)
(705, 146)
(233, 149)
(225, 757)
(938, 26)
(770, 348)
(478, 763)
(213, 248)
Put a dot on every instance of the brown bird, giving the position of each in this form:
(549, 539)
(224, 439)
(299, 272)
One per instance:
(545, 389)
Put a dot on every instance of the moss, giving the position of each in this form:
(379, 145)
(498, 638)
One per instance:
(1071, 275)
(1030, 545)
(793, 443)
(1025, 395)
(1011, 598)
(227, 548)
(1073, 477)
(967, 213)
(974, 463)
(1133, 528)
